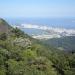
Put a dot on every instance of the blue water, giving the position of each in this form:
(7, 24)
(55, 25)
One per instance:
(35, 31)
(54, 22)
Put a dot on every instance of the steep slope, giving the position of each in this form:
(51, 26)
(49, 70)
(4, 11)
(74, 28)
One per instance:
(22, 55)
(4, 26)
(64, 43)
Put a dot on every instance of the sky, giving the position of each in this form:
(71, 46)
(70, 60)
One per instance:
(37, 8)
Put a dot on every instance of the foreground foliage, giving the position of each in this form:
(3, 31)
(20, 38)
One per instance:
(21, 55)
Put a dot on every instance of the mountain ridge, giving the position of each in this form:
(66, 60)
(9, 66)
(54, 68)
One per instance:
(4, 26)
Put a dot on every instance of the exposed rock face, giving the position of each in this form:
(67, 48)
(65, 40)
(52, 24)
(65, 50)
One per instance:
(4, 26)
(23, 42)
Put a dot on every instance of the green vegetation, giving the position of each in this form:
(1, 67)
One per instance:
(22, 55)
(64, 43)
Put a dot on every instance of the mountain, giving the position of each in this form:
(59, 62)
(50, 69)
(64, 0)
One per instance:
(4, 26)
(64, 43)
(21, 54)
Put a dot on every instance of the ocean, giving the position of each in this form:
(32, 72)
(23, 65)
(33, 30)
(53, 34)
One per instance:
(52, 22)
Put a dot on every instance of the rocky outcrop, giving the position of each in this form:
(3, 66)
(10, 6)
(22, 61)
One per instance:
(23, 42)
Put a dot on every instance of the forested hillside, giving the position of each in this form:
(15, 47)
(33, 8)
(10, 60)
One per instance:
(65, 43)
(22, 55)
